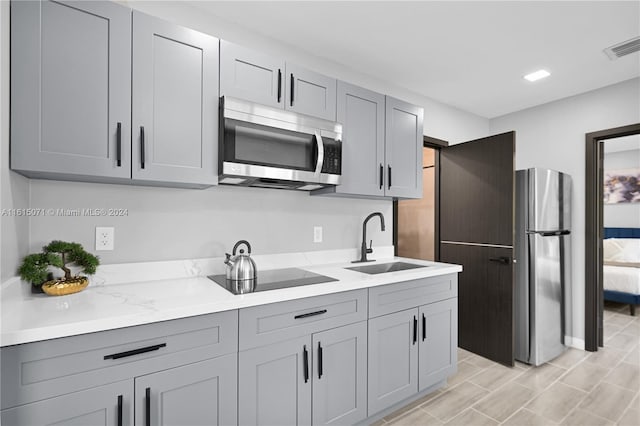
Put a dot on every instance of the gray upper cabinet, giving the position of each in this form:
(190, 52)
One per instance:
(204, 393)
(251, 75)
(71, 85)
(403, 149)
(340, 375)
(106, 405)
(274, 384)
(438, 342)
(393, 359)
(310, 93)
(256, 77)
(175, 103)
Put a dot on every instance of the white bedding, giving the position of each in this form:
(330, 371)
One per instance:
(621, 278)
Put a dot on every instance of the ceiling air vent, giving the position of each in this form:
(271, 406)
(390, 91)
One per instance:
(622, 49)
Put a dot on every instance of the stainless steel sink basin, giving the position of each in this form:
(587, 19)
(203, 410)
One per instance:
(381, 268)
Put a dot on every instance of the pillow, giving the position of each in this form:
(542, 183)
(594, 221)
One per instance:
(621, 250)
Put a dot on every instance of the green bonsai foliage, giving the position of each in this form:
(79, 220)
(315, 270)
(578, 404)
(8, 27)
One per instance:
(34, 267)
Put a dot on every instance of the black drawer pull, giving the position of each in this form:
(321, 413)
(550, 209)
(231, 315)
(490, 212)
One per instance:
(279, 85)
(389, 179)
(293, 81)
(319, 361)
(415, 329)
(504, 260)
(424, 327)
(142, 153)
(381, 175)
(119, 410)
(305, 361)
(135, 351)
(310, 314)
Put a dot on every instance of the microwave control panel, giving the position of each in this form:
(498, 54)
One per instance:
(332, 158)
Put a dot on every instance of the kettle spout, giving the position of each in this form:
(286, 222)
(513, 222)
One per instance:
(228, 260)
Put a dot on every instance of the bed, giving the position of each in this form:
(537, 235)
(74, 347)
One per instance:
(621, 266)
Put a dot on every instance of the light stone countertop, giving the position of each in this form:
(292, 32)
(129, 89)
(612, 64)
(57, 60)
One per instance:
(141, 293)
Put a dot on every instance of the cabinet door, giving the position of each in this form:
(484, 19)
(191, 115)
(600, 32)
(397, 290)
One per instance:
(274, 384)
(251, 75)
(438, 342)
(393, 359)
(175, 103)
(403, 149)
(340, 375)
(361, 113)
(310, 93)
(203, 393)
(71, 80)
(107, 405)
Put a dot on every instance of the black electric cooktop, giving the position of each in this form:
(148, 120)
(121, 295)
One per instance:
(277, 278)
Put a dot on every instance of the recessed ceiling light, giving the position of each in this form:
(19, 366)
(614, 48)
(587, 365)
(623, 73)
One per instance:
(537, 75)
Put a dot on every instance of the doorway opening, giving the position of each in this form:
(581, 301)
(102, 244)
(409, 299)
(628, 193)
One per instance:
(595, 231)
(416, 223)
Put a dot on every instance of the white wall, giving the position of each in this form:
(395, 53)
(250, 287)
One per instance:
(164, 223)
(553, 136)
(622, 215)
(14, 230)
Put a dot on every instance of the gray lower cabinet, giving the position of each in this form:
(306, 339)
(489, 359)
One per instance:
(254, 76)
(71, 80)
(197, 394)
(393, 359)
(107, 405)
(403, 149)
(411, 351)
(175, 103)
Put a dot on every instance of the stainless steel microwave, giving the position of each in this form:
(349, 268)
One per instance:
(266, 147)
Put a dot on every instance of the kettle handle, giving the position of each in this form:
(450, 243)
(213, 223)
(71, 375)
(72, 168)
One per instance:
(240, 243)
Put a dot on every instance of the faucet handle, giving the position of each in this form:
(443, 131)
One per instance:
(370, 249)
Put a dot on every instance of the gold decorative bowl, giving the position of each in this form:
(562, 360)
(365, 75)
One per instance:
(63, 287)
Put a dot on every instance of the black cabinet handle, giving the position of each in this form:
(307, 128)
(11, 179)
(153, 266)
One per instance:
(502, 259)
(147, 406)
(381, 175)
(142, 156)
(292, 82)
(135, 351)
(319, 360)
(119, 410)
(310, 314)
(119, 145)
(305, 361)
(415, 329)
(279, 85)
(424, 327)
(389, 182)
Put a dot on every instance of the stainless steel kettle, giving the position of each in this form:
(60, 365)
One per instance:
(242, 272)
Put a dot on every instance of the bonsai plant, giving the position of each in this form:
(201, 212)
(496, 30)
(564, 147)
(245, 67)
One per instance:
(59, 254)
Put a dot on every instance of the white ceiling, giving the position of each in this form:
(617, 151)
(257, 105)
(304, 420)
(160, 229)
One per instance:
(471, 54)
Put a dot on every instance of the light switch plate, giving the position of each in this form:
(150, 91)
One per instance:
(104, 238)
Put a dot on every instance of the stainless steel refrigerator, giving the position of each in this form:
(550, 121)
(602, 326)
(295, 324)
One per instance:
(542, 268)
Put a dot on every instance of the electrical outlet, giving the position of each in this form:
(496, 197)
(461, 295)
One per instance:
(317, 234)
(104, 238)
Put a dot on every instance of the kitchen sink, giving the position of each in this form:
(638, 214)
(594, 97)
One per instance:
(381, 268)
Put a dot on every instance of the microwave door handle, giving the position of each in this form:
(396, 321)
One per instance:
(320, 161)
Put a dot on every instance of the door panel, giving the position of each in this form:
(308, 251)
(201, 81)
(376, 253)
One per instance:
(403, 149)
(340, 392)
(485, 300)
(203, 393)
(92, 407)
(310, 93)
(393, 359)
(477, 181)
(71, 65)
(438, 342)
(175, 101)
(272, 388)
(477, 186)
(251, 75)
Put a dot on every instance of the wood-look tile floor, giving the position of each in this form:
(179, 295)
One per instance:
(577, 388)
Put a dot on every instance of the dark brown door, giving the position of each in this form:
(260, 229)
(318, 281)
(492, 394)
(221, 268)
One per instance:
(477, 181)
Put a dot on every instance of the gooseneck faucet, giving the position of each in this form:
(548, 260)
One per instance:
(364, 250)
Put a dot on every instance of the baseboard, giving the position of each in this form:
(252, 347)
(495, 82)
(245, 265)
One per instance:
(574, 342)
